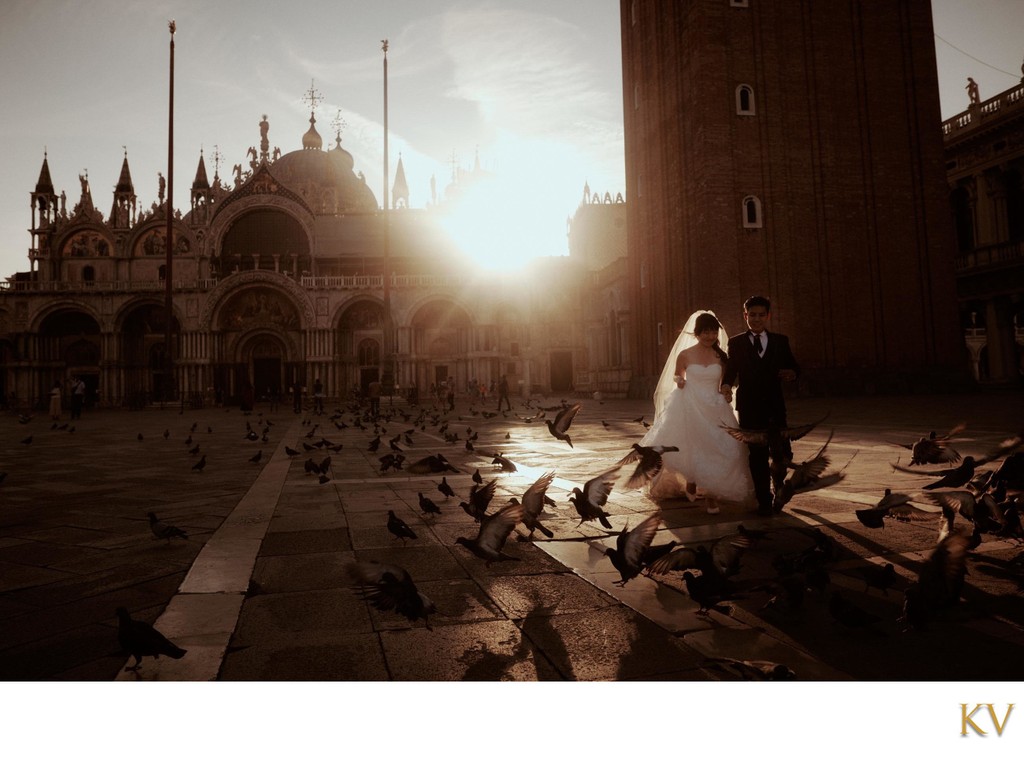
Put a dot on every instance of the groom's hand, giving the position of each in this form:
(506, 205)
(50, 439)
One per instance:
(787, 374)
(726, 390)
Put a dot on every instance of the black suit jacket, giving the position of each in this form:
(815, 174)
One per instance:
(759, 398)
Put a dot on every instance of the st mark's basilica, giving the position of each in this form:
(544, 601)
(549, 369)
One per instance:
(279, 280)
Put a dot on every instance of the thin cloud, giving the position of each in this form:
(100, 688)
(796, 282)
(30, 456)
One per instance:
(524, 69)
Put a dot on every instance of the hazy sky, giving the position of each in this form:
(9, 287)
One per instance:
(533, 85)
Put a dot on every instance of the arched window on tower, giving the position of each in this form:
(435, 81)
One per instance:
(745, 100)
(752, 213)
(88, 275)
(163, 272)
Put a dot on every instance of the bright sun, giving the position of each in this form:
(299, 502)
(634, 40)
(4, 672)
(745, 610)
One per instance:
(503, 220)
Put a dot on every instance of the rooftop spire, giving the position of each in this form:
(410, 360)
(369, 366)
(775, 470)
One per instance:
(124, 182)
(312, 140)
(200, 182)
(44, 185)
(400, 190)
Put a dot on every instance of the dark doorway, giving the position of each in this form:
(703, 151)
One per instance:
(561, 371)
(367, 375)
(267, 377)
(440, 374)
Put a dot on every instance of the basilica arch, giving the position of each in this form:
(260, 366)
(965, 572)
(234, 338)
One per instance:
(142, 352)
(68, 344)
(256, 335)
(359, 344)
(441, 339)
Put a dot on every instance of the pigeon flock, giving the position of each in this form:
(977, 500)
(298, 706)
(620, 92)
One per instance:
(965, 497)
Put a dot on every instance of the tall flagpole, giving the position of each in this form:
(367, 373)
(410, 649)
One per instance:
(389, 343)
(169, 238)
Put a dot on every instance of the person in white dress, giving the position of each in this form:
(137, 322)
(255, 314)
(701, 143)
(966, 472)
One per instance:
(689, 413)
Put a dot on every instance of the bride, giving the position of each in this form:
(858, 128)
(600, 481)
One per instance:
(688, 413)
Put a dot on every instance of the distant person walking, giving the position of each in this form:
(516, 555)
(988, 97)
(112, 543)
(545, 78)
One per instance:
(55, 401)
(318, 397)
(77, 397)
(297, 398)
(503, 393)
(374, 393)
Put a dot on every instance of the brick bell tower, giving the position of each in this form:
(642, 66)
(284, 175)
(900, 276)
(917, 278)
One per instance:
(792, 149)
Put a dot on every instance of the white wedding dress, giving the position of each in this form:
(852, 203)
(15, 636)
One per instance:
(708, 455)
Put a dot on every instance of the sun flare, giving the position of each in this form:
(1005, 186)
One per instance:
(502, 221)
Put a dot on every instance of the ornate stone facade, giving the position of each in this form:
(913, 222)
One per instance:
(985, 169)
(278, 279)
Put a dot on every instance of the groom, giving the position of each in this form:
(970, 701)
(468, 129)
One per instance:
(759, 361)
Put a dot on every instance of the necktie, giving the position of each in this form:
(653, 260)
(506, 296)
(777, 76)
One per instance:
(757, 345)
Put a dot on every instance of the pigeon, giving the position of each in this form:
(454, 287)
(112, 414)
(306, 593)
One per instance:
(140, 639)
(1010, 473)
(934, 449)
(290, 451)
(165, 531)
(940, 581)
(890, 504)
(194, 450)
(751, 669)
(324, 465)
(589, 501)
(963, 474)
(477, 478)
(505, 464)
(387, 587)
(427, 506)
(139, 437)
(445, 489)
(479, 498)
(3, 476)
(720, 562)
(761, 437)
(875, 576)
(256, 459)
(560, 426)
(630, 546)
(398, 528)
(188, 441)
(708, 593)
(431, 465)
(649, 463)
(323, 479)
(533, 504)
(806, 476)
(981, 510)
(956, 477)
(27, 441)
(494, 531)
(199, 465)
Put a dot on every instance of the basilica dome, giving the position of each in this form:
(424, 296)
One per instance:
(324, 178)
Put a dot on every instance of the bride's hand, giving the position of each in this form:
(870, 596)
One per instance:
(680, 382)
